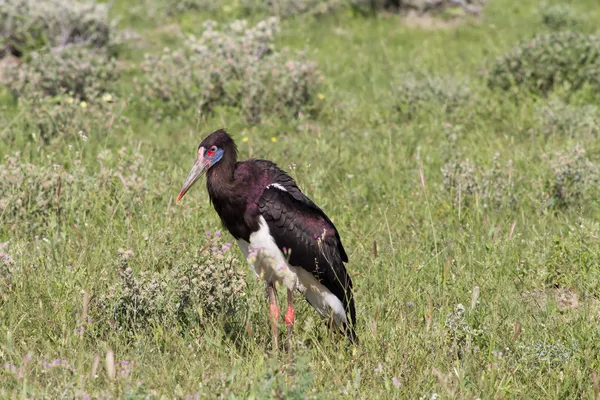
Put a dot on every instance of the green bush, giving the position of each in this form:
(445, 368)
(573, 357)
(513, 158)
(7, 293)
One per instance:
(160, 9)
(186, 290)
(33, 196)
(559, 16)
(33, 24)
(238, 67)
(61, 92)
(559, 118)
(30, 194)
(287, 8)
(575, 178)
(493, 186)
(73, 70)
(430, 93)
(6, 270)
(48, 119)
(421, 6)
(549, 60)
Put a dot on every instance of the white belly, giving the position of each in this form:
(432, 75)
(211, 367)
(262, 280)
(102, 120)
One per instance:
(270, 264)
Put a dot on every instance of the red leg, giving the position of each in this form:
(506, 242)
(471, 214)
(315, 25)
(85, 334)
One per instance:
(289, 316)
(274, 311)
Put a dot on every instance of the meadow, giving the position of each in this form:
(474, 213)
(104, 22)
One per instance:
(456, 152)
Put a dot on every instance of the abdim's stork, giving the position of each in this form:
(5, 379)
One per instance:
(286, 238)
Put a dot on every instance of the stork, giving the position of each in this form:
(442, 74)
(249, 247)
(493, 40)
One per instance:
(286, 238)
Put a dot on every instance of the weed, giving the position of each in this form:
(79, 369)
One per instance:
(566, 59)
(288, 8)
(237, 66)
(185, 292)
(7, 265)
(27, 25)
(574, 177)
(559, 16)
(493, 187)
(73, 70)
(558, 118)
(431, 93)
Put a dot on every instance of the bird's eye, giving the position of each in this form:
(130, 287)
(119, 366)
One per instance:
(211, 152)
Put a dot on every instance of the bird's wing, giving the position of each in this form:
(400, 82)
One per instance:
(301, 227)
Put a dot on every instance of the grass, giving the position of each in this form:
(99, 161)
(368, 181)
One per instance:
(531, 332)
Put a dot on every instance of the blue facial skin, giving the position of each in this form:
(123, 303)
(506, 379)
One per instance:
(215, 157)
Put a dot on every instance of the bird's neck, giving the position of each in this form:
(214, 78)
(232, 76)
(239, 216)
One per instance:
(220, 180)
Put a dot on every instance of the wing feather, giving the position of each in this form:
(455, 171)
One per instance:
(297, 224)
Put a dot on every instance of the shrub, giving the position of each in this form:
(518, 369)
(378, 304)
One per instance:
(421, 6)
(431, 92)
(556, 117)
(287, 8)
(62, 92)
(549, 60)
(238, 67)
(73, 70)
(34, 24)
(575, 178)
(49, 119)
(548, 355)
(461, 336)
(29, 194)
(559, 16)
(127, 171)
(6, 271)
(33, 196)
(157, 9)
(493, 186)
(184, 291)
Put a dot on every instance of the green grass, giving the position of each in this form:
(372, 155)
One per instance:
(536, 267)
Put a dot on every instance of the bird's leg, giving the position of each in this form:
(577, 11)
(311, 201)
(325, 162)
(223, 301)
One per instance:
(274, 310)
(289, 317)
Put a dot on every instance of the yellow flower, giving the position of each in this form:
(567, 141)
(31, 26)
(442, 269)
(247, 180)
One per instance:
(273, 139)
(245, 139)
(321, 96)
(83, 104)
(107, 98)
(70, 100)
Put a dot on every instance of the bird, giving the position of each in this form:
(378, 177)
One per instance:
(286, 238)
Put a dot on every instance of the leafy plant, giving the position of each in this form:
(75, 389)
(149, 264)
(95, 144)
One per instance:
(559, 16)
(287, 8)
(182, 292)
(34, 24)
(32, 196)
(558, 118)
(430, 93)
(549, 60)
(574, 177)
(237, 66)
(74, 70)
(493, 186)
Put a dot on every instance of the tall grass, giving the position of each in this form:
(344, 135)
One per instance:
(473, 279)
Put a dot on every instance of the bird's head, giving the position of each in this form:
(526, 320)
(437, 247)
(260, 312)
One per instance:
(210, 152)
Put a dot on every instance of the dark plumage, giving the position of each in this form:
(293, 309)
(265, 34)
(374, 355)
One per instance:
(254, 192)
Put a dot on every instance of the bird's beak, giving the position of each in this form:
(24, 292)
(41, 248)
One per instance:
(199, 168)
